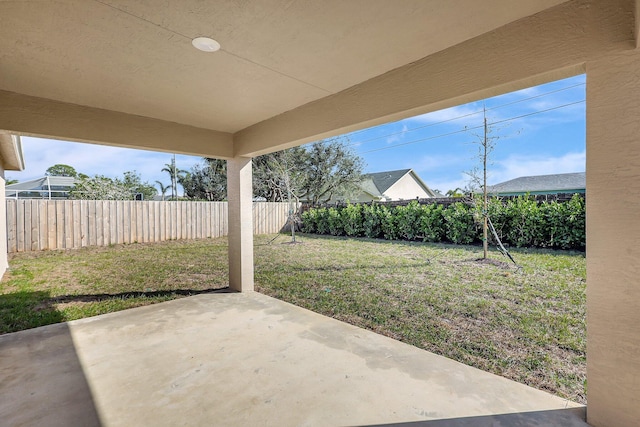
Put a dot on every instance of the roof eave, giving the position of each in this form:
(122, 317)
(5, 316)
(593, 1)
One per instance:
(11, 154)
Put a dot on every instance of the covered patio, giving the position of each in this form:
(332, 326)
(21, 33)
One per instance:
(126, 73)
(245, 359)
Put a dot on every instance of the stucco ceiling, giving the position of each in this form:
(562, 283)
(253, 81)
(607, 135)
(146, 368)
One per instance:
(137, 57)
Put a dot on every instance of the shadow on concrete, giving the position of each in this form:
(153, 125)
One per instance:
(571, 417)
(42, 381)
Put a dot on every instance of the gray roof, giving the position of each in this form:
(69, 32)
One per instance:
(368, 186)
(384, 180)
(42, 183)
(557, 182)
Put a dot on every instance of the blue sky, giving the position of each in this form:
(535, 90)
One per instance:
(435, 145)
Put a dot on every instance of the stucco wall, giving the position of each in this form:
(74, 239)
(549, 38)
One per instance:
(406, 189)
(613, 233)
(3, 221)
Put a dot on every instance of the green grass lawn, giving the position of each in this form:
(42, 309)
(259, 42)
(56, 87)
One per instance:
(526, 324)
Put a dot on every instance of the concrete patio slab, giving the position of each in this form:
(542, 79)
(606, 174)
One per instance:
(247, 360)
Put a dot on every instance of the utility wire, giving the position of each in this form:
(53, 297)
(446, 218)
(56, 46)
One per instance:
(466, 129)
(459, 117)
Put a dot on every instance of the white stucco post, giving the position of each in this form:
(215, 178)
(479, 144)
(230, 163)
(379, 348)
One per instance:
(240, 195)
(4, 264)
(613, 240)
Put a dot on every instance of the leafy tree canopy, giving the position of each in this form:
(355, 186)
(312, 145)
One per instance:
(276, 176)
(61, 170)
(332, 169)
(314, 173)
(101, 187)
(206, 181)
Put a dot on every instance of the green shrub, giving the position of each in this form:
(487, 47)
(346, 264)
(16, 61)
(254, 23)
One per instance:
(459, 224)
(518, 222)
(388, 223)
(371, 222)
(322, 221)
(309, 221)
(499, 218)
(351, 217)
(334, 222)
(576, 222)
(565, 224)
(431, 226)
(524, 222)
(408, 220)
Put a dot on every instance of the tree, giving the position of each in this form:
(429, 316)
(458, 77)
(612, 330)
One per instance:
(331, 169)
(276, 175)
(174, 174)
(104, 188)
(458, 192)
(206, 181)
(163, 189)
(133, 182)
(10, 181)
(61, 170)
(281, 175)
(478, 178)
(314, 173)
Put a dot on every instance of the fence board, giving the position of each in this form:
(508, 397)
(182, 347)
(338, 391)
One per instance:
(11, 226)
(59, 219)
(76, 223)
(51, 225)
(26, 212)
(35, 224)
(20, 230)
(91, 223)
(84, 223)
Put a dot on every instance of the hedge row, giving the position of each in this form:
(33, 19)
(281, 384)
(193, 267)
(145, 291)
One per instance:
(520, 222)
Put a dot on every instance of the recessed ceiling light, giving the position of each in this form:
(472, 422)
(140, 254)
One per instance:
(205, 44)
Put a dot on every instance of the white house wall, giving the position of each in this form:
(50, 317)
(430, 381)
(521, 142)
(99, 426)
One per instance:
(406, 188)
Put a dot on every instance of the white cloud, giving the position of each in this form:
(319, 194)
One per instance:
(94, 159)
(398, 136)
(517, 165)
(434, 162)
(462, 115)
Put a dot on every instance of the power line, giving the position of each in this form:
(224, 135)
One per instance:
(458, 117)
(466, 129)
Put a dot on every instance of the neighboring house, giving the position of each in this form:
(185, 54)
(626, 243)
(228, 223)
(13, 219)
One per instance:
(48, 187)
(541, 184)
(396, 185)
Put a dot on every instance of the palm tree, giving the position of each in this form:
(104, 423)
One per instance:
(163, 189)
(174, 174)
(458, 192)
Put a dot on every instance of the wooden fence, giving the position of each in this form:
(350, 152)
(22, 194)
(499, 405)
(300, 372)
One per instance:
(34, 224)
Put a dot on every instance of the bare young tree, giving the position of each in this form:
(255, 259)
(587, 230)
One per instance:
(478, 178)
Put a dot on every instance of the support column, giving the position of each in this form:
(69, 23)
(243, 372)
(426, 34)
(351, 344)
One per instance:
(613, 240)
(240, 197)
(4, 264)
